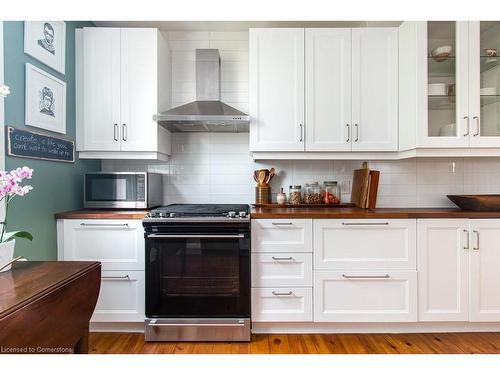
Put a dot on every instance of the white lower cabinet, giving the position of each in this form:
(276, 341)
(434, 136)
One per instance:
(282, 304)
(121, 298)
(281, 235)
(368, 296)
(281, 269)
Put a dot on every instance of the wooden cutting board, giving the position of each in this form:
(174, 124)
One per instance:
(372, 189)
(360, 182)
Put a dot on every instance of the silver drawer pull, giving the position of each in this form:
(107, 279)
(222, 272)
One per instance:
(117, 278)
(103, 225)
(282, 258)
(477, 240)
(290, 293)
(466, 247)
(196, 236)
(282, 223)
(347, 224)
(386, 276)
(154, 324)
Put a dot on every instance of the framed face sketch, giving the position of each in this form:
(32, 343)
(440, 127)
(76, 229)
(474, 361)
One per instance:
(46, 42)
(45, 102)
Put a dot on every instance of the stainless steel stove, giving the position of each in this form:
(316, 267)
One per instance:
(197, 273)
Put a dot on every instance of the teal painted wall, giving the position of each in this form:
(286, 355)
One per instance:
(56, 186)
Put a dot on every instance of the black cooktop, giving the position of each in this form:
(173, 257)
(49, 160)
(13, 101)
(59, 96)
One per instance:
(197, 210)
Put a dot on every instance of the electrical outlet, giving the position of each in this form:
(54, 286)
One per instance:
(345, 187)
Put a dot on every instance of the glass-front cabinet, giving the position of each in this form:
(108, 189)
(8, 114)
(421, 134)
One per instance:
(462, 91)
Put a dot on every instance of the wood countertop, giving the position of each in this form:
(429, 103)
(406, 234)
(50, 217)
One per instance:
(359, 213)
(102, 214)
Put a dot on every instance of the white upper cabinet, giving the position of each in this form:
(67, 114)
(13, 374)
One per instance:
(276, 89)
(328, 89)
(374, 89)
(119, 89)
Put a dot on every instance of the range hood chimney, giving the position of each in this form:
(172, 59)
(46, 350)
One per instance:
(207, 113)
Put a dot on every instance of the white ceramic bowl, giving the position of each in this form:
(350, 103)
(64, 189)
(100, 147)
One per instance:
(437, 89)
(447, 130)
(488, 91)
(441, 53)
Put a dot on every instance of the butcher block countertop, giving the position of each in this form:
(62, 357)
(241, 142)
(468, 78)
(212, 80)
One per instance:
(102, 214)
(359, 213)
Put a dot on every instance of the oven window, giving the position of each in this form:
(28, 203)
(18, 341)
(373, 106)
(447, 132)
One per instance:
(189, 277)
(109, 187)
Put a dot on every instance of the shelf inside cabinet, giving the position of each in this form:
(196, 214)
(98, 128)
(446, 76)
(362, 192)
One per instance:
(444, 68)
(441, 102)
(488, 63)
(489, 99)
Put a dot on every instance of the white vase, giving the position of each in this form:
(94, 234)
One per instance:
(6, 254)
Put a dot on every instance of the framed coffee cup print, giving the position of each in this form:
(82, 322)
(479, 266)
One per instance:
(45, 101)
(46, 42)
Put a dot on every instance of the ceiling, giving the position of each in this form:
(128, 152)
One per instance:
(240, 25)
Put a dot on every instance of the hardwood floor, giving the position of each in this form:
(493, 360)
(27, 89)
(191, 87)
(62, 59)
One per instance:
(415, 343)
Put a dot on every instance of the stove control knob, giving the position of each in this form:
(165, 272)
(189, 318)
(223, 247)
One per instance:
(231, 214)
(243, 214)
(171, 214)
(161, 215)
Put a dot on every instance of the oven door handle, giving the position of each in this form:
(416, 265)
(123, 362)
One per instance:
(154, 324)
(196, 236)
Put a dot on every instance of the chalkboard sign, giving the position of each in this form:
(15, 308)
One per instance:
(26, 144)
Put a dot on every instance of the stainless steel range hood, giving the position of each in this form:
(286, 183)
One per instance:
(207, 113)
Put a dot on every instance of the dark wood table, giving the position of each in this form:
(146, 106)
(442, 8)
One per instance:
(45, 307)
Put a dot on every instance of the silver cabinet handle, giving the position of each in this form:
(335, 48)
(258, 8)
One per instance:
(277, 294)
(353, 224)
(154, 324)
(124, 132)
(466, 247)
(103, 225)
(301, 133)
(115, 132)
(282, 258)
(466, 118)
(348, 133)
(282, 224)
(196, 236)
(477, 240)
(357, 133)
(116, 278)
(386, 276)
(477, 126)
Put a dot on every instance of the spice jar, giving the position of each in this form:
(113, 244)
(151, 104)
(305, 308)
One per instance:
(295, 194)
(312, 193)
(281, 197)
(331, 192)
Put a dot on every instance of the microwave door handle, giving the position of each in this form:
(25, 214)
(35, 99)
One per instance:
(196, 236)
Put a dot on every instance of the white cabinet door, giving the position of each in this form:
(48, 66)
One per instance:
(281, 235)
(121, 298)
(117, 244)
(281, 269)
(365, 296)
(356, 244)
(139, 89)
(443, 269)
(101, 89)
(282, 304)
(328, 89)
(276, 89)
(375, 89)
(484, 270)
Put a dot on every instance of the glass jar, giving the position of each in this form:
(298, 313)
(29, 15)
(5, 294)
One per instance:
(312, 193)
(331, 192)
(295, 194)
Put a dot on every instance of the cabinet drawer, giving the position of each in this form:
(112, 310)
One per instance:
(281, 304)
(368, 296)
(121, 298)
(282, 235)
(281, 269)
(117, 244)
(365, 244)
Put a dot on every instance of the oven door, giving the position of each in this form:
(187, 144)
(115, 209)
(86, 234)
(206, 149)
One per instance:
(198, 274)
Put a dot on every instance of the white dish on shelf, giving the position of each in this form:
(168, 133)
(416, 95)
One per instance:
(448, 130)
(441, 53)
(488, 91)
(436, 89)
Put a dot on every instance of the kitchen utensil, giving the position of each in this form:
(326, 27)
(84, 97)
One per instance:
(482, 202)
(360, 182)
(262, 176)
(436, 89)
(488, 91)
(441, 53)
(448, 130)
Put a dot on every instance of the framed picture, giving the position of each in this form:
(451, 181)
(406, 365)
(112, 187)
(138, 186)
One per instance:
(46, 42)
(45, 102)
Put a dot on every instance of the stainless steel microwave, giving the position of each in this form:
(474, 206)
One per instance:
(122, 190)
